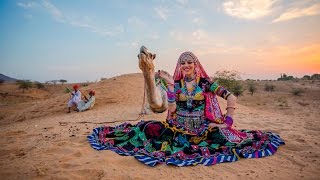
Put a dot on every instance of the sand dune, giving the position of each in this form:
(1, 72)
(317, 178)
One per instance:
(41, 141)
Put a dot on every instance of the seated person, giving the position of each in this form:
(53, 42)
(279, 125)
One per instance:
(87, 103)
(75, 97)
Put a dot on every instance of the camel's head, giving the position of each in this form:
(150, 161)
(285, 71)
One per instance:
(146, 59)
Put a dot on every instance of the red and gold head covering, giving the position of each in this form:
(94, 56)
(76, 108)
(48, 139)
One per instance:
(187, 56)
(212, 108)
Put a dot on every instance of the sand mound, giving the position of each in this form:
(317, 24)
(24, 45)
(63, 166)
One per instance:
(43, 142)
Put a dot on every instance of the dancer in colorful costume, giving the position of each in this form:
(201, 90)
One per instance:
(195, 131)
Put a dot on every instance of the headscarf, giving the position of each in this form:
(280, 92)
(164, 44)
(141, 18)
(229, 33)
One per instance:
(76, 87)
(212, 109)
(197, 66)
(93, 92)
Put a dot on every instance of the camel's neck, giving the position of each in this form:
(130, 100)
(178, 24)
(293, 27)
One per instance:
(153, 93)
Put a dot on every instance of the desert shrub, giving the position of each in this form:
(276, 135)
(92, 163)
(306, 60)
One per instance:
(306, 77)
(297, 92)
(237, 89)
(24, 84)
(1, 81)
(315, 77)
(252, 87)
(39, 85)
(283, 101)
(269, 87)
(230, 80)
(67, 90)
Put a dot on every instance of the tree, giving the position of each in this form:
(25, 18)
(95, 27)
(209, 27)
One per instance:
(315, 76)
(237, 89)
(252, 87)
(227, 78)
(39, 85)
(306, 77)
(54, 81)
(24, 85)
(285, 77)
(62, 81)
(230, 80)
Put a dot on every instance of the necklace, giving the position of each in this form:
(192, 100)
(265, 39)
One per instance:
(189, 79)
(190, 94)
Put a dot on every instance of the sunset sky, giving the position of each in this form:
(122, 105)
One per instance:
(85, 40)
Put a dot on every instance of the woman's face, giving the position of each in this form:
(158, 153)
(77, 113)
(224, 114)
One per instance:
(187, 67)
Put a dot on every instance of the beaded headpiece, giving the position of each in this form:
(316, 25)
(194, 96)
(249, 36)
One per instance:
(199, 71)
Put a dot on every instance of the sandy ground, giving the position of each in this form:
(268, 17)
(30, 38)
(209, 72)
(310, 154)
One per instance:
(40, 141)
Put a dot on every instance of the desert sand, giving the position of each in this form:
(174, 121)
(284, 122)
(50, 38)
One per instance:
(39, 140)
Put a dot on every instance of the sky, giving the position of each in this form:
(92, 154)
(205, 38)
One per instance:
(83, 40)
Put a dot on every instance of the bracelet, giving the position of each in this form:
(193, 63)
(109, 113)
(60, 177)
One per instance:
(171, 96)
(228, 121)
(230, 107)
(170, 84)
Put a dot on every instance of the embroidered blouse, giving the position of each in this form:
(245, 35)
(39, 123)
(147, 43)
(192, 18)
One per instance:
(190, 104)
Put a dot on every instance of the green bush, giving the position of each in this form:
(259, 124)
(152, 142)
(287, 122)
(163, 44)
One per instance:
(237, 89)
(39, 85)
(252, 87)
(24, 84)
(230, 80)
(297, 92)
(269, 87)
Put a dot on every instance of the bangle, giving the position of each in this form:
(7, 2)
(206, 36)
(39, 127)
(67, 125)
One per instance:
(230, 107)
(171, 96)
(228, 121)
(170, 84)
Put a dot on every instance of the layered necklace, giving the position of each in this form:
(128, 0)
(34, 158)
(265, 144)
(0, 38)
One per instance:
(189, 79)
(190, 94)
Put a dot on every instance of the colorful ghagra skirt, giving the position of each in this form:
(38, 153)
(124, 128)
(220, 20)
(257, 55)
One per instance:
(157, 142)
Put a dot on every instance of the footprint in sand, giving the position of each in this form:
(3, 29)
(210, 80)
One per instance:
(15, 133)
(90, 173)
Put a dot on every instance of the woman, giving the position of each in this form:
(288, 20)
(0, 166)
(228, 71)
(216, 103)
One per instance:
(196, 132)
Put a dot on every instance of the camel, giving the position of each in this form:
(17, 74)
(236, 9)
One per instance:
(155, 93)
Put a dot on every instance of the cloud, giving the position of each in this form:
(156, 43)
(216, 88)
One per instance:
(84, 22)
(54, 11)
(297, 12)
(182, 2)
(136, 23)
(162, 12)
(248, 9)
(27, 5)
(132, 44)
(200, 34)
(198, 21)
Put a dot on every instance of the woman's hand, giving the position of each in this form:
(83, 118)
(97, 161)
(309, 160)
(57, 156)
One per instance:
(217, 125)
(166, 76)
